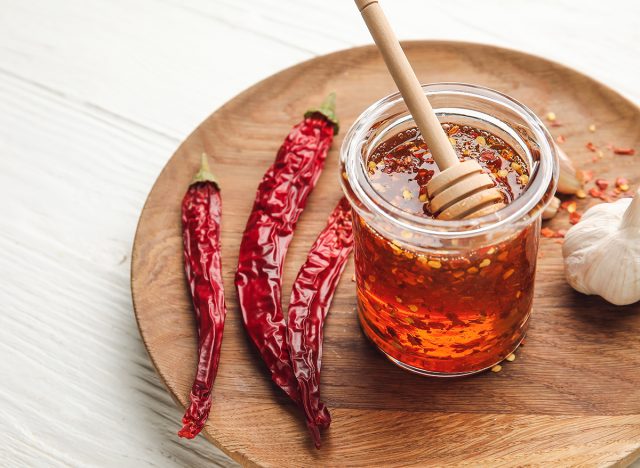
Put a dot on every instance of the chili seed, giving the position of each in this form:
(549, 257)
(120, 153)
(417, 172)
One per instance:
(434, 264)
(524, 179)
(413, 308)
(372, 166)
(551, 116)
(503, 173)
(592, 128)
(399, 299)
(511, 357)
(423, 197)
(472, 270)
(518, 294)
(485, 263)
(452, 141)
(496, 368)
(508, 273)
(581, 194)
(481, 141)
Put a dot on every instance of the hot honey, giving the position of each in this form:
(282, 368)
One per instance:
(443, 312)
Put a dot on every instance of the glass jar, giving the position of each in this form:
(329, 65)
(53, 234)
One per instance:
(447, 298)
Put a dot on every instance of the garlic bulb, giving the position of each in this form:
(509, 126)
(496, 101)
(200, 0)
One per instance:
(569, 181)
(602, 252)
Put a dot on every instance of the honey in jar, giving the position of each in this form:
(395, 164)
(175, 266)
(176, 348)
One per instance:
(445, 298)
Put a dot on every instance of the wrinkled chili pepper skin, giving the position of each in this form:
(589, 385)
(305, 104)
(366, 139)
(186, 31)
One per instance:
(201, 211)
(311, 298)
(280, 199)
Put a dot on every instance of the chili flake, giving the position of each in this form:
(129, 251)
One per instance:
(574, 217)
(586, 176)
(602, 184)
(595, 192)
(551, 234)
(560, 139)
(569, 205)
(591, 147)
(624, 151)
(622, 184)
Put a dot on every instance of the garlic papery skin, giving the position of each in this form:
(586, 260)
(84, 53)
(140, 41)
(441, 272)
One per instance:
(569, 181)
(552, 209)
(602, 252)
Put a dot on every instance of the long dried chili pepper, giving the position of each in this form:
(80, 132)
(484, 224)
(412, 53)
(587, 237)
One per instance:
(201, 210)
(311, 297)
(279, 201)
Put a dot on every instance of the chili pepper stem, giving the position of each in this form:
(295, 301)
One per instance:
(328, 110)
(205, 174)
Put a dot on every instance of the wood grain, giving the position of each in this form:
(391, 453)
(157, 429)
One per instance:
(572, 395)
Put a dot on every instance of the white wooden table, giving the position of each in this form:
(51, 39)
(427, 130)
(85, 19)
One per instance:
(95, 95)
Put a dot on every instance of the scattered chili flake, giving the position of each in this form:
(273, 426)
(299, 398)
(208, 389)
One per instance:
(555, 124)
(561, 232)
(586, 176)
(559, 241)
(574, 217)
(569, 205)
(622, 184)
(602, 184)
(595, 192)
(560, 139)
(551, 234)
(624, 151)
(591, 147)
(547, 232)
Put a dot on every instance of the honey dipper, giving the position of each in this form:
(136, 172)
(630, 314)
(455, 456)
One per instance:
(461, 189)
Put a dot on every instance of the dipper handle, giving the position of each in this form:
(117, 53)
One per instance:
(408, 84)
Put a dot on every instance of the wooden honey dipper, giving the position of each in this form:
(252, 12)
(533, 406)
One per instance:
(461, 189)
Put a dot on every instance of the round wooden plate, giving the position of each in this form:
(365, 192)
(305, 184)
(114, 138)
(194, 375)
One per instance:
(571, 397)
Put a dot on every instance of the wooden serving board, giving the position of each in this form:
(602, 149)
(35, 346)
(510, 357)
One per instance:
(571, 397)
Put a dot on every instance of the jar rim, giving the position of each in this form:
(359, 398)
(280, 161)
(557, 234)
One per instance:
(528, 205)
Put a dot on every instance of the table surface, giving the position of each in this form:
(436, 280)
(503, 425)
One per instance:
(95, 96)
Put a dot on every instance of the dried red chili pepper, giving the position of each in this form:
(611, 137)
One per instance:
(279, 201)
(311, 297)
(201, 210)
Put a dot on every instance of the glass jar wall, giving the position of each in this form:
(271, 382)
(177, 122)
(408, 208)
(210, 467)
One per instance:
(447, 298)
